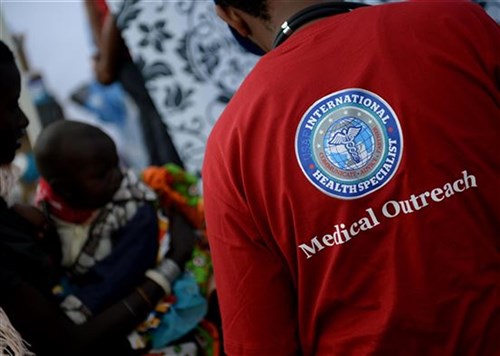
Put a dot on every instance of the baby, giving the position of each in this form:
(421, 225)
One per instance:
(109, 230)
(105, 217)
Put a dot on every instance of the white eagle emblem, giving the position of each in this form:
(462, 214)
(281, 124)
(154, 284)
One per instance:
(345, 137)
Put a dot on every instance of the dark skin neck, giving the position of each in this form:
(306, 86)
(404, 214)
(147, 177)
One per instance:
(281, 11)
(263, 32)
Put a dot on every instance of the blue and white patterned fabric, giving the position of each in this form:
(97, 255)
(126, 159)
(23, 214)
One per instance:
(190, 62)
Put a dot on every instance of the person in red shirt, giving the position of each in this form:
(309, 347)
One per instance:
(351, 184)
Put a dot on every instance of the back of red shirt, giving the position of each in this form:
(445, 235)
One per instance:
(351, 188)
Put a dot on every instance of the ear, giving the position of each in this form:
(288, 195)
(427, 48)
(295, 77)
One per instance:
(61, 188)
(233, 18)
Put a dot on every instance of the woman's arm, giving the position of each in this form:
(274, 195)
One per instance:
(49, 332)
(111, 49)
(95, 16)
(42, 324)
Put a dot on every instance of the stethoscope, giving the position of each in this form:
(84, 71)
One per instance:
(311, 13)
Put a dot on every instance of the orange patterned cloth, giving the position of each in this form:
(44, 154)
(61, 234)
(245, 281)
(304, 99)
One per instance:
(177, 189)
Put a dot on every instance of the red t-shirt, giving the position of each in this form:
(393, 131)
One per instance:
(351, 188)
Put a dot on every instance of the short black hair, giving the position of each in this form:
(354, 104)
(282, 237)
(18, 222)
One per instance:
(6, 55)
(66, 143)
(256, 8)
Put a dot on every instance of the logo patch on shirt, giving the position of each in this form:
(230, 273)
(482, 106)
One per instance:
(349, 143)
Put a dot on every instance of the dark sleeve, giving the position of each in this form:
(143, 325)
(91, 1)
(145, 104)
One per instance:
(21, 258)
(38, 321)
(134, 252)
(49, 333)
(23, 274)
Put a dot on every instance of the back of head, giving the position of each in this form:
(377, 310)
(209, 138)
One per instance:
(79, 162)
(67, 146)
(6, 56)
(8, 67)
(7, 63)
(12, 118)
(256, 8)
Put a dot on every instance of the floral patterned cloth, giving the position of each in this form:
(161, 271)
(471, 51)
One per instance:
(190, 62)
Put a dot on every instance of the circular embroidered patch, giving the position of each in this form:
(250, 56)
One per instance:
(349, 143)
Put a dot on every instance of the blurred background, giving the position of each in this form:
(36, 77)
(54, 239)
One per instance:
(183, 55)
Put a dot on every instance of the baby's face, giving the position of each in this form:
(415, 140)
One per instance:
(95, 182)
